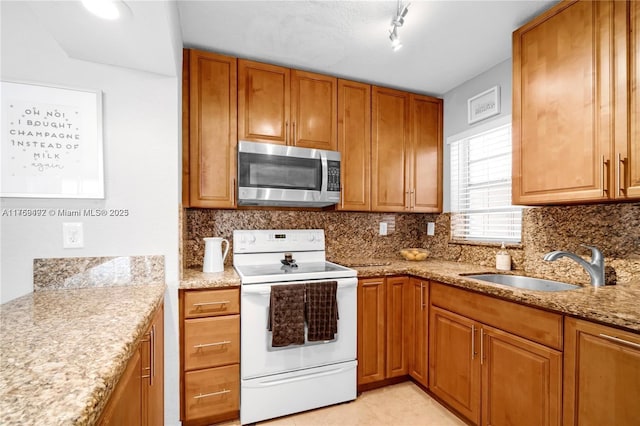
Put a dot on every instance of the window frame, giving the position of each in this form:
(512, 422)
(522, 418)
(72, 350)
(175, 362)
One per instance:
(482, 239)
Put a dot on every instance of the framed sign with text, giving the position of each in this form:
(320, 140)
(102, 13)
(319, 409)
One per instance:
(50, 142)
(483, 105)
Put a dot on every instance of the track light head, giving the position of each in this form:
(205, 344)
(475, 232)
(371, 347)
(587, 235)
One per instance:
(396, 44)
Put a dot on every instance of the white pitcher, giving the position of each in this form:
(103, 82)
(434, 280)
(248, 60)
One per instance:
(213, 257)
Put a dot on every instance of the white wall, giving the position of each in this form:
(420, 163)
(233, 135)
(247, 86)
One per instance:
(141, 118)
(455, 110)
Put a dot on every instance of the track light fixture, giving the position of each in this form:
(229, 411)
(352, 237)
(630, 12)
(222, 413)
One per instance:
(397, 22)
(396, 44)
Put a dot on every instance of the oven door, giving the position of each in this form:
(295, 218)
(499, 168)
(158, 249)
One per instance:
(259, 358)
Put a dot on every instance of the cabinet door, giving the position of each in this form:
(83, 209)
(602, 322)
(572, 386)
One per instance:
(398, 326)
(633, 148)
(125, 404)
(186, 167)
(389, 146)
(419, 317)
(153, 372)
(601, 375)
(454, 364)
(521, 381)
(371, 330)
(263, 102)
(212, 134)
(627, 155)
(314, 110)
(562, 104)
(354, 143)
(425, 168)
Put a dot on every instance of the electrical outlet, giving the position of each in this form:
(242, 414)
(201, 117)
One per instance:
(383, 228)
(431, 228)
(72, 235)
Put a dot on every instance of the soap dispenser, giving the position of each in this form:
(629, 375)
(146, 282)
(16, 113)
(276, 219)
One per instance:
(503, 259)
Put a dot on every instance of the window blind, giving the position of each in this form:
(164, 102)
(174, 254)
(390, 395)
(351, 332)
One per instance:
(481, 188)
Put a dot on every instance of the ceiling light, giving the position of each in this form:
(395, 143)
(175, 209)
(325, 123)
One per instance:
(107, 9)
(396, 44)
(396, 22)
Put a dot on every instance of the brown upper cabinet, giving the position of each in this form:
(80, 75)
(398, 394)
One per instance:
(406, 152)
(389, 149)
(354, 144)
(287, 107)
(425, 158)
(627, 159)
(575, 104)
(209, 130)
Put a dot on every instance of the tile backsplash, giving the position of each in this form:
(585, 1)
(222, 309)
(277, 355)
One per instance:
(347, 234)
(614, 228)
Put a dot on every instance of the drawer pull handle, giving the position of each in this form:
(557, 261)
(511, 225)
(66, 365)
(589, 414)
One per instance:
(207, 345)
(481, 346)
(622, 181)
(618, 340)
(222, 302)
(206, 395)
(473, 341)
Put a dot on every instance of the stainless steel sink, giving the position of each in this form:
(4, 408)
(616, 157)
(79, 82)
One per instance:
(527, 283)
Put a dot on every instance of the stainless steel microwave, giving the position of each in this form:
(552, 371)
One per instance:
(289, 176)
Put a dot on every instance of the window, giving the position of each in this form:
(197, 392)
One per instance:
(481, 207)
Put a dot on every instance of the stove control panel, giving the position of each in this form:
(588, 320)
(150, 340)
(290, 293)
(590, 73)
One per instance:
(277, 240)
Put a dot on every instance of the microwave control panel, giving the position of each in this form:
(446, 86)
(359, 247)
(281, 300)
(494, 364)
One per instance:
(333, 176)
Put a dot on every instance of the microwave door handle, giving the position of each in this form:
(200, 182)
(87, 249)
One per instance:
(325, 174)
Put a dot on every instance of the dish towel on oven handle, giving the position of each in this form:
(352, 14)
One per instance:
(286, 315)
(321, 310)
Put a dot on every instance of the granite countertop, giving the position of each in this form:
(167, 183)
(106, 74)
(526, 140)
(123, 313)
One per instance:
(63, 351)
(193, 279)
(616, 305)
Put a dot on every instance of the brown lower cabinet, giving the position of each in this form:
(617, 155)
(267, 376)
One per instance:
(138, 398)
(209, 355)
(601, 375)
(383, 328)
(486, 359)
(419, 328)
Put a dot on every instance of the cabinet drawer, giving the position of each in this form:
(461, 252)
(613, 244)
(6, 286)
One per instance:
(210, 303)
(209, 342)
(531, 323)
(212, 392)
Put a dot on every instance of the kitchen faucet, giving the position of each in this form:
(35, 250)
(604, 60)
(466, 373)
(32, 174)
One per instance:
(595, 268)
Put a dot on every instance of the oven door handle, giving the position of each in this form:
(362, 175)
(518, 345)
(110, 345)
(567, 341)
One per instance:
(269, 383)
(265, 289)
(256, 292)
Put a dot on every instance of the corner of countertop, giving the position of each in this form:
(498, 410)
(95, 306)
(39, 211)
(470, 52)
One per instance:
(194, 278)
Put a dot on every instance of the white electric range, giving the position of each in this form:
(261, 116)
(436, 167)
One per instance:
(277, 381)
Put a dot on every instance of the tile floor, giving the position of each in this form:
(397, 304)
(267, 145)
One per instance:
(404, 404)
